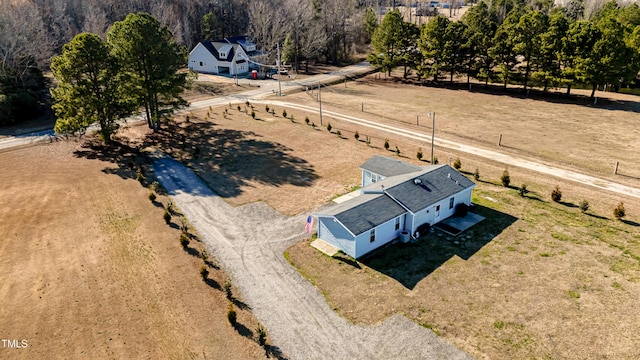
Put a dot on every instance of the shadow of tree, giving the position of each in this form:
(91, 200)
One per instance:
(629, 222)
(410, 263)
(243, 330)
(516, 91)
(212, 283)
(240, 304)
(274, 352)
(126, 157)
(230, 159)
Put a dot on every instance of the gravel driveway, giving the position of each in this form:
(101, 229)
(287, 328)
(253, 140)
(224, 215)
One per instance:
(249, 241)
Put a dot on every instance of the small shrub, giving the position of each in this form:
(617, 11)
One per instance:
(171, 208)
(284, 114)
(247, 103)
(184, 240)
(266, 108)
(152, 196)
(204, 272)
(584, 206)
(419, 154)
(186, 118)
(339, 133)
(435, 160)
(368, 141)
(140, 175)
(523, 190)
(166, 216)
(556, 194)
(155, 187)
(306, 120)
(208, 115)
(329, 127)
(457, 164)
(619, 211)
(386, 144)
(239, 108)
(356, 135)
(397, 151)
(253, 114)
(505, 179)
(476, 175)
(261, 335)
(231, 315)
(313, 125)
(292, 119)
(227, 290)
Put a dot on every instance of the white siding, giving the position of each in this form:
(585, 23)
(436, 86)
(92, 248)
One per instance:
(384, 234)
(201, 60)
(335, 234)
(369, 177)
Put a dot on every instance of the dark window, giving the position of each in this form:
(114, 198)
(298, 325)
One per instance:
(201, 64)
(372, 235)
(451, 203)
(397, 223)
(437, 207)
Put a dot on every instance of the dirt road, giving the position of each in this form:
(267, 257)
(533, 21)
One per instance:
(487, 154)
(249, 241)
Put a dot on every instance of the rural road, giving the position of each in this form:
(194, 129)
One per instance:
(267, 88)
(249, 241)
(270, 87)
(485, 153)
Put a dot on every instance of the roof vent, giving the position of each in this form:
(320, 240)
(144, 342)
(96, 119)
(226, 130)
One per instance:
(457, 183)
(417, 181)
(449, 176)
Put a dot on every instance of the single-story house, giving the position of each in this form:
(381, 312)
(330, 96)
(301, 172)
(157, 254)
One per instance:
(396, 199)
(225, 57)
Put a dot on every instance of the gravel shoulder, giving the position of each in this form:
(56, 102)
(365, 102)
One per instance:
(249, 241)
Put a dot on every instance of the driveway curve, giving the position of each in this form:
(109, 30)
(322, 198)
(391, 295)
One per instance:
(249, 241)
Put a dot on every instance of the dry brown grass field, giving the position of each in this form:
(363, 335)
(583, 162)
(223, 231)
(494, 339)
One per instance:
(89, 269)
(552, 128)
(536, 279)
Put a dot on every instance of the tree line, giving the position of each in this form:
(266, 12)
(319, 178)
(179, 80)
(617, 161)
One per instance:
(32, 32)
(510, 41)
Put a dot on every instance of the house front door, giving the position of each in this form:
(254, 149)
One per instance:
(437, 218)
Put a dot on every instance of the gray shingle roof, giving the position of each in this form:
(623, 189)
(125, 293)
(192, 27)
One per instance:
(365, 212)
(387, 166)
(434, 185)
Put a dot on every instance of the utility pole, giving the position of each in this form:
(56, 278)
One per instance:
(278, 63)
(433, 132)
(320, 99)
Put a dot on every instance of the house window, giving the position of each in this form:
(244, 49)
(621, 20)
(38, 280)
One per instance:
(372, 235)
(201, 64)
(451, 203)
(397, 223)
(437, 207)
(374, 178)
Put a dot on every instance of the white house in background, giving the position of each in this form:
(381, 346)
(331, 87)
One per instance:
(223, 57)
(396, 199)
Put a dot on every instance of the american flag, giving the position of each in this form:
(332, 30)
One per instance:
(308, 226)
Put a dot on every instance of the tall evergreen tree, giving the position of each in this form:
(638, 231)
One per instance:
(456, 47)
(551, 43)
(433, 43)
(480, 32)
(528, 38)
(503, 50)
(90, 87)
(386, 42)
(576, 50)
(149, 52)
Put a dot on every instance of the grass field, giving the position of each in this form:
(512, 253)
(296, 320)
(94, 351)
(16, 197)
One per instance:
(90, 269)
(536, 279)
